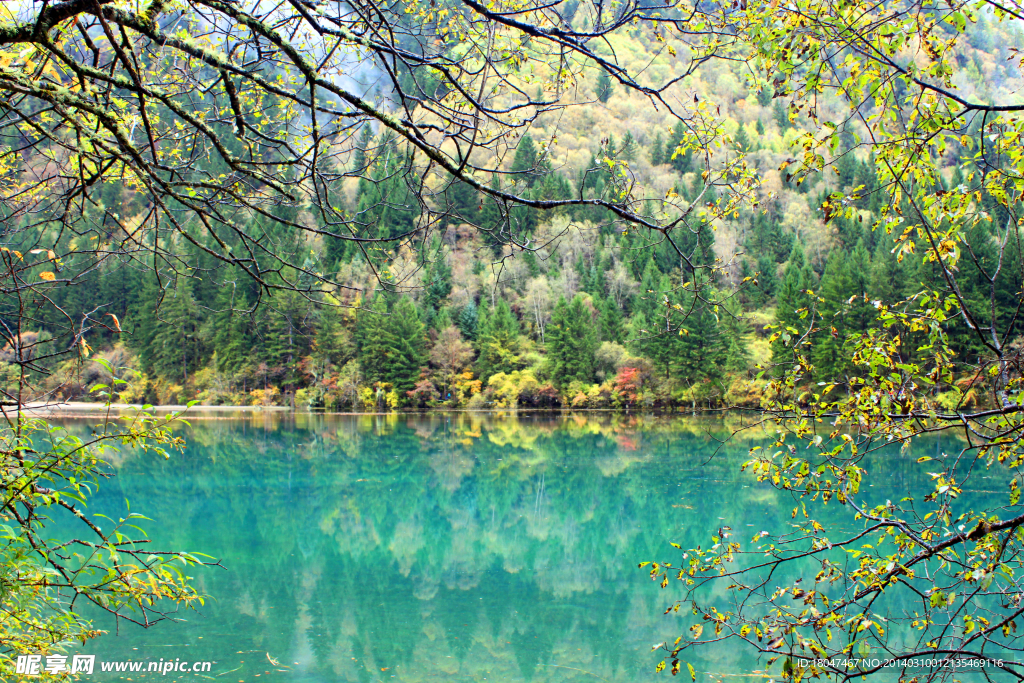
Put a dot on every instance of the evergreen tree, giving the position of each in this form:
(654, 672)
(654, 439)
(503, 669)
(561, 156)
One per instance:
(742, 139)
(359, 157)
(604, 86)
(498, 341)
(372, 339)
(793, 301)
(467, 320)
(491, 220)
(848, 169)
(683, 161)
(890, 281)
(437, 281)
(406, 346)
(461, 203)
(781, 116)
(628, 149)
(836, 282)
(173, 352)
(768, 277)
(700, 351)
(524, 164)
(232, 339)
(385, 201)
(571, 342)
(734, 330)
(391, 345)
(611, 321)
(658, 150)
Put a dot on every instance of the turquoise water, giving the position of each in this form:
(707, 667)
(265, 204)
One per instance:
(440, 548)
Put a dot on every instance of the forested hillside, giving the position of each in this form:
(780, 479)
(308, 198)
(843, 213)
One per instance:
(587, 315)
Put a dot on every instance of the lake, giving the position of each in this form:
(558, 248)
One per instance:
(437, 547)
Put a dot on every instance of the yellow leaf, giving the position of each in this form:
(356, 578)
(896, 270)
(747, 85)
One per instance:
(47, 275)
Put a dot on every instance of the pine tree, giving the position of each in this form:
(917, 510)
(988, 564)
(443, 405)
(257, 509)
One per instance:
(232, 337)
(406, 346)
(385, 201)
(359, 157)
(680, 162)
(768, 277)
(461, 202)
(372, 339)
(700, 351)
(611, 321)
(829, 361)
(391, 344)
(467, 320)
(604, 86)
(173, 352)
(498, 341)
(524, 164)
(742, 139)
(437, 281)
(571, 342)
(628, 149)
(658, 150)
(781, 116)
(890, 281)
(734, 330)
(793, 302)
(848, 168)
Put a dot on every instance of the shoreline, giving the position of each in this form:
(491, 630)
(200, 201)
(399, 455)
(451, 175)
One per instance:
(84, 409)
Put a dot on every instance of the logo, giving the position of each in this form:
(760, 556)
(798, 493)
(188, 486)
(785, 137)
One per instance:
(32, 665)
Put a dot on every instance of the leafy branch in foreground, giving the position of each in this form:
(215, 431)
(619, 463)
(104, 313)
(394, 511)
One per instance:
(923, 588)
(62, 565)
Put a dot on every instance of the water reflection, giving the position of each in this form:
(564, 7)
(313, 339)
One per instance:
(439, 547)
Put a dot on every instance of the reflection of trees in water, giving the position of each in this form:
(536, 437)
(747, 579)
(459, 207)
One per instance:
(380, 542)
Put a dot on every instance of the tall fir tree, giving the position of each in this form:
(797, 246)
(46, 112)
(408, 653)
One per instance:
(611, 321)
(571, 342)
(658, 150)
(604, 86)
(497, 341)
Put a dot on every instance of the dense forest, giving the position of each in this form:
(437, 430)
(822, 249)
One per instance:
(590, 314)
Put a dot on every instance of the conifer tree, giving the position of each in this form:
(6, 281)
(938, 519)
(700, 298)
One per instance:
(699, 347)
(467, 320)
(437, 281)
(629, 146)
(406, 346)
(742, 139)
(524, 163)
(173, 351)
(571, 342)
(890, 280)
(461, 203)
(734, 330)
(372, 339)
(658, 150)
(781, 116)
(793, 302)
(359, 158)
(604, 86)
(611, 321)
(680, 162)
(767, 277)
(836, 283)
(386, 201)
(232, 337)
(498, 341)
